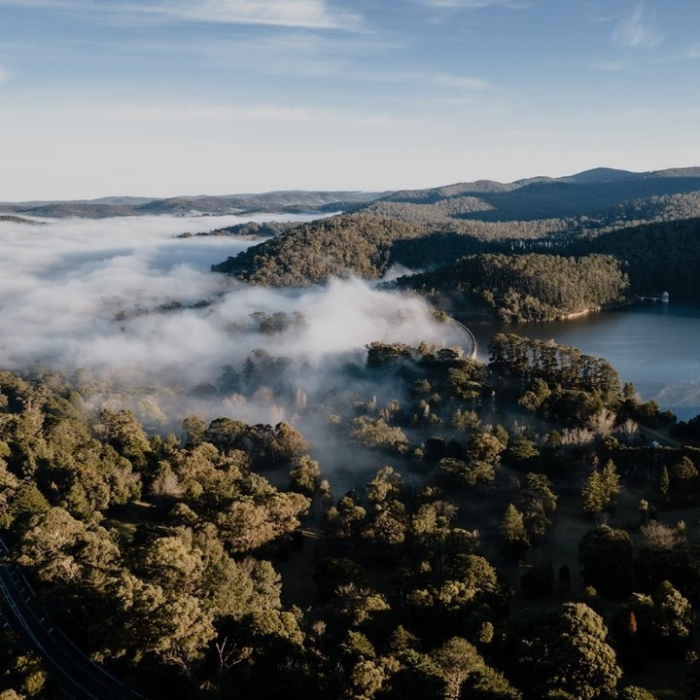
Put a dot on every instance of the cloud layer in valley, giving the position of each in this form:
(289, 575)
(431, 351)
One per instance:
(130, 304)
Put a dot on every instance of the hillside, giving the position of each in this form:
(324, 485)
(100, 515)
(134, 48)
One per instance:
(9, 218)
(657, 257)
(489, 275)
(532, 287)
(312, 253)
(589, 201)
(587, 273)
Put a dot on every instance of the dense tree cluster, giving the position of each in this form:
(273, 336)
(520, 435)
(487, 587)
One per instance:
(177, 560)
(532, 287)
(658, 257)
(356, 244)
(556, 380)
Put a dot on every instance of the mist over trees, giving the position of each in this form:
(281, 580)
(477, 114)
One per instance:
(223, 558)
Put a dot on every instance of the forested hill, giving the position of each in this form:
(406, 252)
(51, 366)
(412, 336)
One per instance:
(647, 259)
(657, 257)
(430, 228)
(479, 276)
(589, 201)
(530, 287)
(311, 253)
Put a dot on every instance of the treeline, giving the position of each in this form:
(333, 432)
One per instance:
(532, 287)
(558, 365)
(558, 382)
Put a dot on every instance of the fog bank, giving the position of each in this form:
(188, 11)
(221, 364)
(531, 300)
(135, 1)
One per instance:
(128, 303)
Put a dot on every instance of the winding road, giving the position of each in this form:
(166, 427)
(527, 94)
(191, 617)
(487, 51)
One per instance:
(79, 678)
(471, 354)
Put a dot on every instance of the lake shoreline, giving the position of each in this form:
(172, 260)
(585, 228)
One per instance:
(650, 344)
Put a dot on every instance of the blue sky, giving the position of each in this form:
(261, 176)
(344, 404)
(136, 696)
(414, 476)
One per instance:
(168, 97)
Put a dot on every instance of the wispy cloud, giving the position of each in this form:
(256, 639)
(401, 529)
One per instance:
(655, 114)
(297, 55)
(291, 13)
(636, 30)
(312, 14)
(209, 114)
(475, 4)
(4, 75)
(463, 83)
(458, 82)
(611, 66)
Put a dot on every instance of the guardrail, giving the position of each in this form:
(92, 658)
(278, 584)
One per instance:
(69, 662)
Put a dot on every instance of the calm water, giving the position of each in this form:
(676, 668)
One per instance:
(655, 346)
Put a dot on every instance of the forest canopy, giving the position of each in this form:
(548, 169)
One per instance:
(225, 557)
(531, 287)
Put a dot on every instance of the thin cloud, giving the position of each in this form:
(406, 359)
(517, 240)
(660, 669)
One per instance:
(475, 4)
(48, 4)
(291, 13)
(636, 30)
(611, 66)
(462, 83)
(300, 54)
(310, 14)
(257, 114)
(657, 113)
(459, 82)
(4, 75)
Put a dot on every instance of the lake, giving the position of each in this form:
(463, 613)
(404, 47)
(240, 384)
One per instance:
(653, 345)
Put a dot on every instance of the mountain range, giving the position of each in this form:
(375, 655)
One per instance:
(605, 195)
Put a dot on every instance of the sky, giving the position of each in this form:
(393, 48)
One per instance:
(183, 97)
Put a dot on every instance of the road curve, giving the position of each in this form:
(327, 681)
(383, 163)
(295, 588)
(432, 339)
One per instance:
(78, 676)
(470, 336)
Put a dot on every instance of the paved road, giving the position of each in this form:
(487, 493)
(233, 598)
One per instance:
(471, 352)
(80, 678)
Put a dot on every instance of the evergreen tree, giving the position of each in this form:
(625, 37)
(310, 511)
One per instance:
(514, 533)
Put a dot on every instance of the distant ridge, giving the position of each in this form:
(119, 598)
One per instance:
(594, 176)
(593, 198)
(607, 195)
(600, 175)
(273, 202)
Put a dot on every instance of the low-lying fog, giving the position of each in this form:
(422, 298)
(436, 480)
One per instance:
(133, 305)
